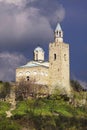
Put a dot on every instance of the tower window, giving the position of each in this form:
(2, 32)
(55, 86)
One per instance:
(59, 34)
(54, 56)
(65, 57)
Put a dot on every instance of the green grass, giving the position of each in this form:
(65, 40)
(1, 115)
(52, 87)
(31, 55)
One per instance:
(44, 114)
(48, 107)
(4, 106)
(7, 124)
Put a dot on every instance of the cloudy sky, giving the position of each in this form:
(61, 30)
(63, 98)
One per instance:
(25, 24)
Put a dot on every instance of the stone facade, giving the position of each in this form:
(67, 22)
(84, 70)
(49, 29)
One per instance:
(59, 74)
(59, 65)
(38, 73)
(56, 72)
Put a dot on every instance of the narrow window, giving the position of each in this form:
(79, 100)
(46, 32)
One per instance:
(59, 34)
(65, 57)
(27, 78)
(36, 56)
(54, 56)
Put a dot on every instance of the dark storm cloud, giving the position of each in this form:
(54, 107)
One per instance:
(27, 19)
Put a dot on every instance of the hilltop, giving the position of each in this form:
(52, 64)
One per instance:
(56, 111)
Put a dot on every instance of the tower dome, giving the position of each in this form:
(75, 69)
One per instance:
(38, 49)
(38, 54)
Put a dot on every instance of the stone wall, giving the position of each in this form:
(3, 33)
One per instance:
(37, 74)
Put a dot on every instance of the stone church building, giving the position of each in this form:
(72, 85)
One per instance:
(55, 72)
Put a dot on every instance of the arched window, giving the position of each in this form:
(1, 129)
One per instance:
(46, 74)
(34, 72)
(27, 73)
(42, 73)
(20, 74)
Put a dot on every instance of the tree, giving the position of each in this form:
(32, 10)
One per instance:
(25, 89)
(5, 90)
(76, 86)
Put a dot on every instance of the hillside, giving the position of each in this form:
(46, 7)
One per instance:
(54, 112)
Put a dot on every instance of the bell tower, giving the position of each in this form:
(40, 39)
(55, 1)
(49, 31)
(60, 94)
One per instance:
(59, 62)
(58, 34)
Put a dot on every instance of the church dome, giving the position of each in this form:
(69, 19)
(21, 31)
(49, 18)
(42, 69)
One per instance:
(38, 54)
(38, 49)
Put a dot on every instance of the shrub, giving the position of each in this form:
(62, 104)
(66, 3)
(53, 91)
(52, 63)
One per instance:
(76, 86)
(5, 90)
(7, 124)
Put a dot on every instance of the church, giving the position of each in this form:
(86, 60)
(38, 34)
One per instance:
(54, 73)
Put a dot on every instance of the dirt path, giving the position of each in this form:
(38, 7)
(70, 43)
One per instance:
(9, 112)
(13, 104)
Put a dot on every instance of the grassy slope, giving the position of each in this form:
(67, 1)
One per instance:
(51, 114)
(4, 106)
(44, 114)
(48, 107)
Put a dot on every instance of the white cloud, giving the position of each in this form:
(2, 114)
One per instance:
(8, 63)
(30, 23)
(20, 3)
(15, 2)
(59, 14)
